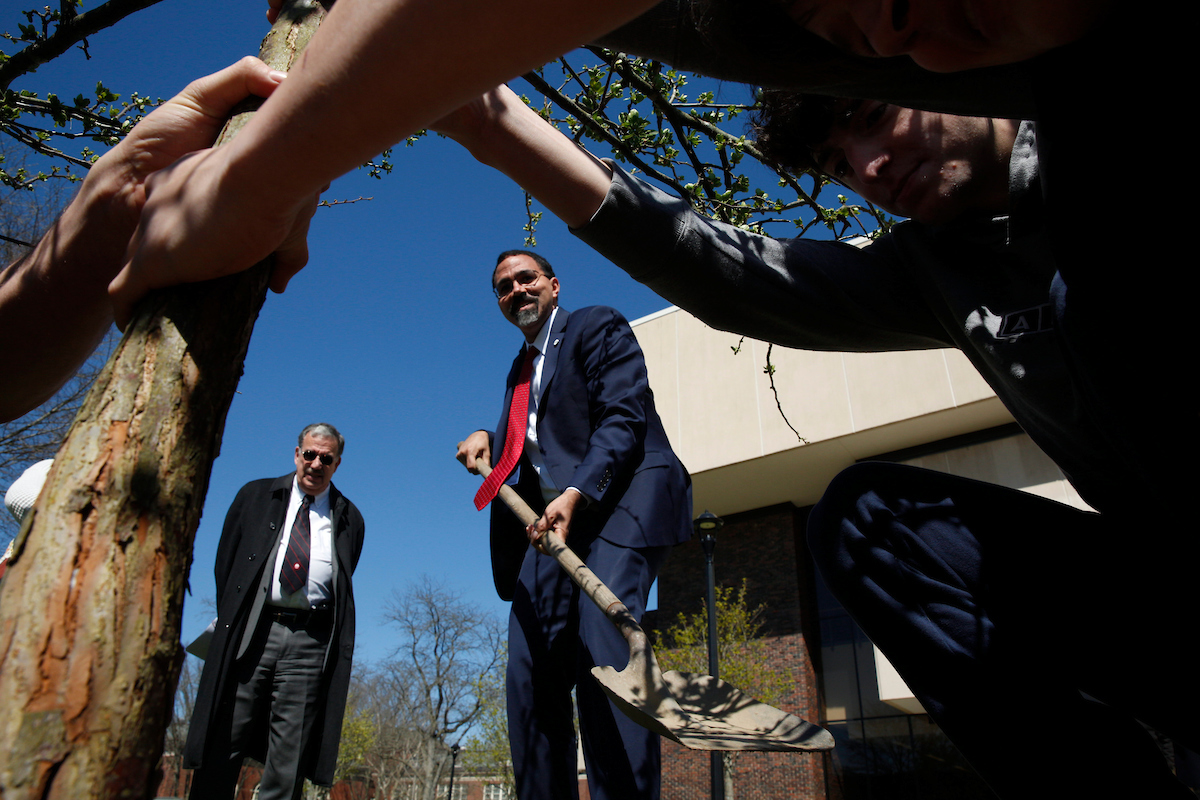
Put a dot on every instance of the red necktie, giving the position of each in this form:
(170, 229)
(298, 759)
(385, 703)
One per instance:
(294, 575)
(514, 437)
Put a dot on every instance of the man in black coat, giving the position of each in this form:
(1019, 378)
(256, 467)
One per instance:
(278, 668)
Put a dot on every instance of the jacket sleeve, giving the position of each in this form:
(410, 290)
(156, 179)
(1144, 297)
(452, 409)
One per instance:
(814, 295)
(614, 371)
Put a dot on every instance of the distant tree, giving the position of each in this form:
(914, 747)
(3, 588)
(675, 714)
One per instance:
(177, 728)
(743, 655)
(394, 742)
(486, 751)
(37, 435)
(427, 695)
(358, 737)
(185, 703)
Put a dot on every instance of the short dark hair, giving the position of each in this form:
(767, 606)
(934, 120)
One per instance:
(788, 126)
(542, 263)
(323, 430)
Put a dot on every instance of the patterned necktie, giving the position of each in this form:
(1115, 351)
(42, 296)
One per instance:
(294, 575)
(514, 437)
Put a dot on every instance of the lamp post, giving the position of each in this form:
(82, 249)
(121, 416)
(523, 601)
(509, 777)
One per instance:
(706, 526)
(454, 748)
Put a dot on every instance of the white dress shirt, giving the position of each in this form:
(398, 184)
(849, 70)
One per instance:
(320, 560)
(532, 449)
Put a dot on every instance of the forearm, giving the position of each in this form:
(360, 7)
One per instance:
(54, 306)
(395, 66)
(802, 293)
(513, 139)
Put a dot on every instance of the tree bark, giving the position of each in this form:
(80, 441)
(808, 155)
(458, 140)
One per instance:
(90, 607)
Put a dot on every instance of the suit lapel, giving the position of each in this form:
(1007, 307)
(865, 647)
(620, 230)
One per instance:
(277, 503)
(553, 348)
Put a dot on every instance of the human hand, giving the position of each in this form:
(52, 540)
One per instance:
(273, 8)
(111, 199)
(476, 447)
(197, 224)
(192, 119)
(556, 518)
(186, 123)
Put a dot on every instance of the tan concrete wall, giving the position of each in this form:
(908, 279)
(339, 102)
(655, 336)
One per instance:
(724, 422)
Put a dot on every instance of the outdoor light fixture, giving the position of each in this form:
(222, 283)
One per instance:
(454, 748)
(706, 526)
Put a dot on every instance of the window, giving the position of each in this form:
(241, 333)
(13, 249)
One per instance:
(880, 751)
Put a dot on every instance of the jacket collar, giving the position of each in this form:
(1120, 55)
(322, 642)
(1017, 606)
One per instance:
(282, 486)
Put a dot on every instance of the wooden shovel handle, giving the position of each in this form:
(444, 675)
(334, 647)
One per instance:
(555, 547)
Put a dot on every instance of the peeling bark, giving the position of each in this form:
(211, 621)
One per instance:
(90, 607)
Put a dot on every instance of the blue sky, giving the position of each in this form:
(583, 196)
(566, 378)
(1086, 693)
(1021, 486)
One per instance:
(390, 333)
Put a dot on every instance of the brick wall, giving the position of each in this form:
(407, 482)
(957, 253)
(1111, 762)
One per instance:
(766, 547)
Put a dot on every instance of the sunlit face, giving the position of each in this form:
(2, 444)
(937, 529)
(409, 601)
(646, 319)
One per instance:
(949, 35)
(526, 296)
(313, 476)
(919, 164)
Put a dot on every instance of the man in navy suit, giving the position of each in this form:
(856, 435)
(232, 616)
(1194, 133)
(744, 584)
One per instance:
(595, 461)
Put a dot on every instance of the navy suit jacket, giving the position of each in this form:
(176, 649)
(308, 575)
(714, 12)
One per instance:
(598, 432)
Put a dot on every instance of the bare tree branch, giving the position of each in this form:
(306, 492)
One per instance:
(770, 370)
(68, 33)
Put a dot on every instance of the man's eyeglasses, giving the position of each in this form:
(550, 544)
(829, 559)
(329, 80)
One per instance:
(325, 458)
(524, 278)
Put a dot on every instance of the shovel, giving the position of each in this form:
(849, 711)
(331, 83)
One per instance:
(697, 711)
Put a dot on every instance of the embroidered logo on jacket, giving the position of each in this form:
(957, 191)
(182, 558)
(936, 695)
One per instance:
(1014, 324)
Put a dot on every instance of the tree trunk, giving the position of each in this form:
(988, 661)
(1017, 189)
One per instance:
(90, 607)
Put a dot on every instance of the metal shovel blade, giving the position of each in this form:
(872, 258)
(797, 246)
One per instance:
(700, 711)
(697, 711)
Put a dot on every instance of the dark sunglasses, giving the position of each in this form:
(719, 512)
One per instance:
(309, 455)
